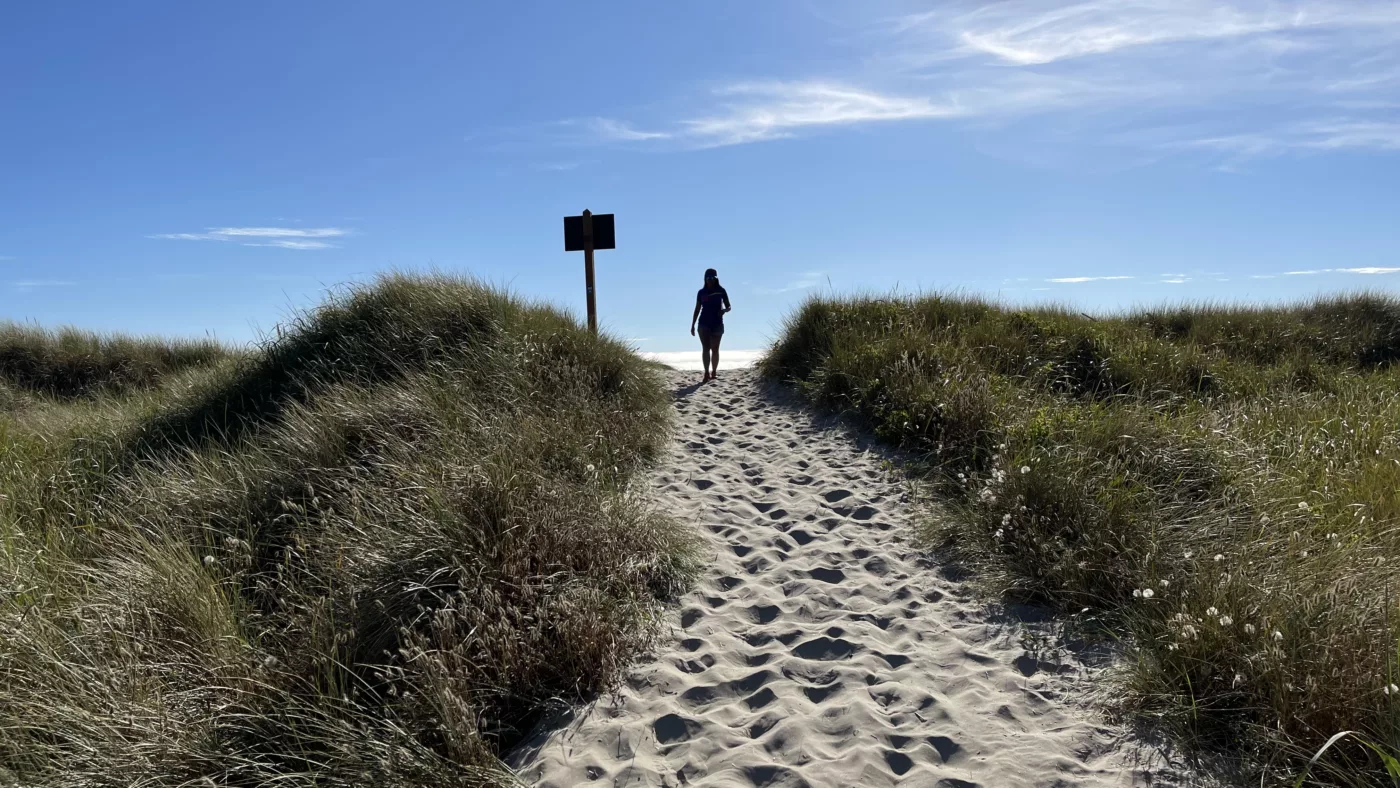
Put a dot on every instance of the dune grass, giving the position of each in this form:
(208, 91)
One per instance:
(70, 363)
(1218, 485)
(370, 553)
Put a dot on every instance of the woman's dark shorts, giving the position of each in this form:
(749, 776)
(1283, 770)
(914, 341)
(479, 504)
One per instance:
(710, 332)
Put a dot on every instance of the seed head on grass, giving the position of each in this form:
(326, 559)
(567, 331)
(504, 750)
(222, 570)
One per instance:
(1164, 443)
(365, 554)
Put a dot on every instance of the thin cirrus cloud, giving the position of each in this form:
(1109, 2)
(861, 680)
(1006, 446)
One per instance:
(806, 281)
(1368, 270)
(756, 112)
(1075, 280)
(278, 237)
(1258, 78)
(1039, 32)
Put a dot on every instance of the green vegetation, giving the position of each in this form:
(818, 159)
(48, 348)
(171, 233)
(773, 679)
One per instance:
(1219, 485)
(367, 554)
(69, 363)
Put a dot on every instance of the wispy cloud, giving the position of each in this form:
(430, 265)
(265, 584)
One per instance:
(294, 244)
(1074, 280)
(619, 131)
(1369, 270)
(559, 166)
(1257, 78)
(1179, 280)
(279, 237)
(1323, 135)
(1364, 270)
(1039, 32)
(767, 111)
(806, 281)
(759, 111)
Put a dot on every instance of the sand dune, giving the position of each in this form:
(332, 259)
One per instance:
(820, 648)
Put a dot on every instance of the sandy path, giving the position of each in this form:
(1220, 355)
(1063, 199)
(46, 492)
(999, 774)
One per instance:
(819, 648)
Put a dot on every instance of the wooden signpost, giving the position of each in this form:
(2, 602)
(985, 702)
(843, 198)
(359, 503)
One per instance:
(586, 233)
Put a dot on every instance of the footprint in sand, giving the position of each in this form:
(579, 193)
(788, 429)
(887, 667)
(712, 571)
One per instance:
(833, 654)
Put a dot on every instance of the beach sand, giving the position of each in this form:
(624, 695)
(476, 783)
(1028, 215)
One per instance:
(820, 647)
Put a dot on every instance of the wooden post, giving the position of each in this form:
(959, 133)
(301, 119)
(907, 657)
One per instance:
(588, 269)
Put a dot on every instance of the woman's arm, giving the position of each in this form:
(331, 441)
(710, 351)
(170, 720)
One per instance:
(727, 307)
(695, 316)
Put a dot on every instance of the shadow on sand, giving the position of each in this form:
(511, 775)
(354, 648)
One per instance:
(690, 388)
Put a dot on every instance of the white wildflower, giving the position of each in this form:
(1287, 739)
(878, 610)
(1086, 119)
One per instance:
(1188, 555)
(1164, 583)
(1239, 679)
(1137, 593)
(1226, 621)
(999, 534)
(1390, 689)
(1264, 520)
(1188, 632)
(208, 560)
(1148, 593)
(1249, 629)
(1219, 557)
(1304, 554)
(1303, 506)
(1006, 519)
(1212, 612)
(591, 468)
(1025, 469)
(1278, 635)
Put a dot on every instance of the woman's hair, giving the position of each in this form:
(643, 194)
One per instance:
(710, 273)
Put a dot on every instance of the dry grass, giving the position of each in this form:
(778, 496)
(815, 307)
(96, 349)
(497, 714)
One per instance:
(1218, 485)
(368, 554)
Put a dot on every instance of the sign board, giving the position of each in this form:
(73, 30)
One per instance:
(603, 234)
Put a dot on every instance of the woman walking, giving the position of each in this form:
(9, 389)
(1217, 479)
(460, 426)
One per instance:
(710, 305)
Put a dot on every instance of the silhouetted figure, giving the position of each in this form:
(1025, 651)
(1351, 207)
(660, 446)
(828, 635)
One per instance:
(710, 305)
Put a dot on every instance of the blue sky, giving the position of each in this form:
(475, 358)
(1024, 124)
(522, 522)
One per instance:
(203, 168)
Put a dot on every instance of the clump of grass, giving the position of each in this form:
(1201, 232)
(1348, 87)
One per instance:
(373, 552)
(1217, 483)
(71, 363)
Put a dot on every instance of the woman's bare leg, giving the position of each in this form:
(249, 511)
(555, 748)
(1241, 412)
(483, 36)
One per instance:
(714, 354)
(705, 353)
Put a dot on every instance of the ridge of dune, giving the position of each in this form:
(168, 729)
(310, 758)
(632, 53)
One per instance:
(821, 647)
